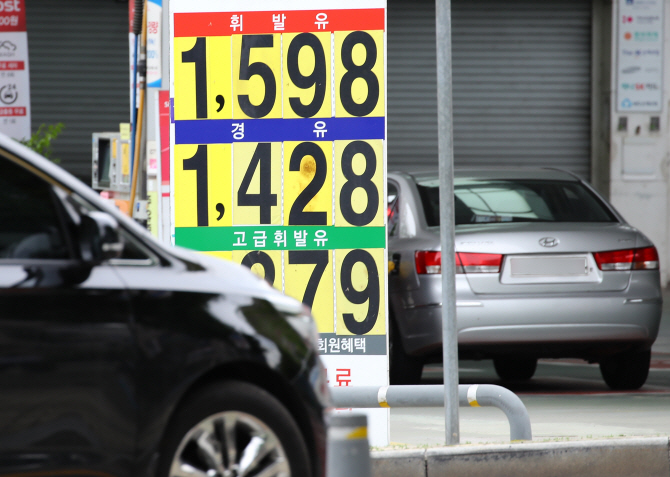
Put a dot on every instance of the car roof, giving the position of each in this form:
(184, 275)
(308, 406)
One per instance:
(500, 173)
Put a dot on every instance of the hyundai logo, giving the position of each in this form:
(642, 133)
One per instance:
(549, 241)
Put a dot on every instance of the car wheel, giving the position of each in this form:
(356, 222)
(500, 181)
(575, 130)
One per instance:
(233, 429)
(403, 369)
(515, 369)
(626, 371)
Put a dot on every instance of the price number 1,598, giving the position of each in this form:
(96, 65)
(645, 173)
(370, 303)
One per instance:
(203, 89)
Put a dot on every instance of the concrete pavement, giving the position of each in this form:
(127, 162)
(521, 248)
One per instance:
(646, 457)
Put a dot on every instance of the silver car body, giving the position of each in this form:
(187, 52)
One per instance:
(550, 313)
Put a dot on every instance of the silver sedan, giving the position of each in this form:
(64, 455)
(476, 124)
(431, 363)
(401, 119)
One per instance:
(545, 268)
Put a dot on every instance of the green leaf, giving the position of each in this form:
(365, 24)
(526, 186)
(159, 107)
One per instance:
(40, 141)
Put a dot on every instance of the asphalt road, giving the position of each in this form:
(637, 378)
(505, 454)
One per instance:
(566, 400)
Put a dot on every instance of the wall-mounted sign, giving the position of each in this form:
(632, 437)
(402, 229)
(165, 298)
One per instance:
(279, 160)
(640, 56)
(14, 72)
(154, 27)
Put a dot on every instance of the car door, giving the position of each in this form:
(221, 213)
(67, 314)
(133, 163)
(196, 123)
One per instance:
(67, 400)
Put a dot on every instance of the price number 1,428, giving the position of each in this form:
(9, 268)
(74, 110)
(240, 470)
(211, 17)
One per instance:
(308, 186)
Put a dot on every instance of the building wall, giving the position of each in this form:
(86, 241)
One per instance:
(521, 83)
(79, 73)
(639, 159)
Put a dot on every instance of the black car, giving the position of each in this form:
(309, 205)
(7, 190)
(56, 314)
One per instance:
(121, 357)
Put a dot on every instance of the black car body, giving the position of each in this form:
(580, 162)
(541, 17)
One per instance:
(106, 335)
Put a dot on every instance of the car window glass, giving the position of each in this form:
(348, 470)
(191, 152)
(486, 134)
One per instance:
(30, 224)
(134, 253)
(496, 202)
(481, 201)
(392, 209)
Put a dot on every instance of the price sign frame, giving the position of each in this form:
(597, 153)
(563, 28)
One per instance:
(278, 160)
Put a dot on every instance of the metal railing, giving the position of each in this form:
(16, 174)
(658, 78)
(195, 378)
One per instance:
(475, 395)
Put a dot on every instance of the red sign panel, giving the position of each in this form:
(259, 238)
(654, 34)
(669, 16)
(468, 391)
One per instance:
(227, 23)
(12, 65)
(15, 111)
(12, 15)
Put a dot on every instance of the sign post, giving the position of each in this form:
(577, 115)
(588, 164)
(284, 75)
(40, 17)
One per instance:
(279, 161)
(14, 71)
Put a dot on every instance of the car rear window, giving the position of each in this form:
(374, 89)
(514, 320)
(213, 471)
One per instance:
(483, 201)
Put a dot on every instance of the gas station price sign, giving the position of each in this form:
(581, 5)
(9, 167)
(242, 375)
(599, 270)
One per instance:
(279, 152)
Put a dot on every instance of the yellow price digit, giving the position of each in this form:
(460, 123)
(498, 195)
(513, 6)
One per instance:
(308, 184)
(202, 185)
(257, 183)
(314, 289)
(256, 67)
(360, 288)
(265, 264)
(359, 179)
(307, 75)
(359, 73)
(202, 86)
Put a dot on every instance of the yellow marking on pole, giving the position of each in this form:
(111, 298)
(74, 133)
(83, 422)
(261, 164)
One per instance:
(381, 396)
(358, 433)
(472, 396)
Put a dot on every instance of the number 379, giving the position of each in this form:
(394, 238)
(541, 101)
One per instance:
(358, 285)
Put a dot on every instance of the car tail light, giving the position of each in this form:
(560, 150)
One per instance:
(645, 259)
(630, 259)
(479, 262)
(430, 262)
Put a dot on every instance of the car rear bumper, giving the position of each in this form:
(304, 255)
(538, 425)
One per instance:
(488, 323)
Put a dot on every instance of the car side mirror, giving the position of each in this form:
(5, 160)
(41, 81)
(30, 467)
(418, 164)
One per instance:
(99, 238)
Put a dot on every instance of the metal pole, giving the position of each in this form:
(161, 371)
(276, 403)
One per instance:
(348, 452)
(474, 395)
(446, 161)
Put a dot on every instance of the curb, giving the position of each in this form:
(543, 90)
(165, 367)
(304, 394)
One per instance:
(644, 457)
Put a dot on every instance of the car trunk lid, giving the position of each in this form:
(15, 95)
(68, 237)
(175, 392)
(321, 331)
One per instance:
(546, 258)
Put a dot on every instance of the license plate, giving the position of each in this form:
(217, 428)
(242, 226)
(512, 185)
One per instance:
(535, 269)
(549, 266)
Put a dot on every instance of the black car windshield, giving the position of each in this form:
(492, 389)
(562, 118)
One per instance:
(488, 201)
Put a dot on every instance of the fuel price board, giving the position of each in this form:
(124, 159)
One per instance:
(279, 157)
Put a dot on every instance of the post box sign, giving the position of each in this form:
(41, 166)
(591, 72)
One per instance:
(279, 157)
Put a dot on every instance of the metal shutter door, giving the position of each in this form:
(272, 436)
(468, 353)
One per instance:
(78, 73)
(522, 83)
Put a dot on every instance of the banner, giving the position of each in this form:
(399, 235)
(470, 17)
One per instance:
(640, 56)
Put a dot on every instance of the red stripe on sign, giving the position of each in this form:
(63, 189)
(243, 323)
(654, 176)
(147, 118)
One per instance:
(164, 122)
(229, 23)
(12, 65)
(15, 111)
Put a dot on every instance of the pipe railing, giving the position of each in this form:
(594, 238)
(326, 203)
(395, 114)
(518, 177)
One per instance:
(474, 395)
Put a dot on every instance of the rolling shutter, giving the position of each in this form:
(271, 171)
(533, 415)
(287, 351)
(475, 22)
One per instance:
(521, 83)
(78, 73)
